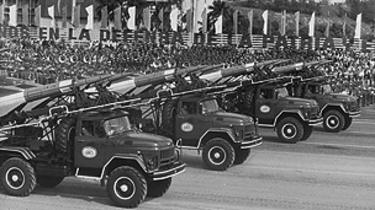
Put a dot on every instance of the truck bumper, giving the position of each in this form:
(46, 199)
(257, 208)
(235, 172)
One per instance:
(167, 172)
(250, 143)
(315, 121)
(354, 114)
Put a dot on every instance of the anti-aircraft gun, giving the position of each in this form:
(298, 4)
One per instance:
(338, 110)
(82, 129)
(263, 96)
(191, 114)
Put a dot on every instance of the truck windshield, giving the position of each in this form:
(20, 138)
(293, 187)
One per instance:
(209, 106)
(117, 125)
(282, 92)
(326, 89)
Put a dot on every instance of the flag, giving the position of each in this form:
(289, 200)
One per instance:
(204, 19)
(235, 22)
(2, 13)
(219, 25)
(344, 26)
(90, 17)
(250, 15)
(161, 18)
(283, 23)
(25, 14)
(13, 15)
(297, 14)
(173, 16)
(104, 19)
(130, 23)
(312, 25)
(358, 26)
(265, 22)
(117, 18)
(64, 14)
(327, 29)
(189, 20)
(147, 18)
(59, 6)
(76, 18)
(38, 14)
(74, 3)
(51, 14)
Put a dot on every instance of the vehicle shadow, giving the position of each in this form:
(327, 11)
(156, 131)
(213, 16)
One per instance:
(72, 188)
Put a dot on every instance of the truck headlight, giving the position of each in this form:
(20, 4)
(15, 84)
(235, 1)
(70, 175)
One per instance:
(152, 163)
(238, 132)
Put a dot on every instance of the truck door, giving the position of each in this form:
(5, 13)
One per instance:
(90, 139)
(190, 125)
(266, 106)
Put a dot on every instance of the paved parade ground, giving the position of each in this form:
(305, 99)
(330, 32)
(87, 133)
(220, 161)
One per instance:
(328, 171)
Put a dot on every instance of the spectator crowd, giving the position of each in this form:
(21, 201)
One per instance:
(48, 61)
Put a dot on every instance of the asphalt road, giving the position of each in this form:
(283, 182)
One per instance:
(328, 171)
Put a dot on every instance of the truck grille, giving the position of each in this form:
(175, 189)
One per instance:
(353, 106)
(314, 113)
(167, 156)
(249, 130)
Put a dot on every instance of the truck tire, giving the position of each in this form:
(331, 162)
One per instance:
(334, 121)
(290, 130)
(168, 117)
(241, 156)
(158, 188)
(307, 132)
(348, 123)
(218, 154)
(64, 134)
(127, 187)
(17, 177)
(49, 181)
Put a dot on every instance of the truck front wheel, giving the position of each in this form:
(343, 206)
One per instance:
(158, 188)
(17, 177)
(49, 181)
(127, 187)
(290, 130)
(241, 156)
(334, 121)
(307, 133)
(218, 154)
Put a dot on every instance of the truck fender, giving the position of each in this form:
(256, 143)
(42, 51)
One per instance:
(224, 131)
(340, 106)
(298, 112)
(25, 152)
(134, 159)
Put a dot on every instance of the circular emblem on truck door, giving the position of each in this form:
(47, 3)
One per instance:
(89, 152)
(187, 127)
(265, 109)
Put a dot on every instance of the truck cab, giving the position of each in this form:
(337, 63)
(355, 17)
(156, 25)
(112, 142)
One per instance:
(337, 110)
(98, 145)
(200, 123)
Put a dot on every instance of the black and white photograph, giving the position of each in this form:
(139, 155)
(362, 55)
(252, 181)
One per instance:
(187, 104)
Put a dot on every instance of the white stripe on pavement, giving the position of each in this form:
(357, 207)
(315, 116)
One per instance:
(339, 145)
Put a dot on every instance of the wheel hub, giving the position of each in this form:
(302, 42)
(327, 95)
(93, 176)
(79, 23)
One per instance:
(124, 188)
(217, 155)
(15, 178)
(289, 131)
(332, 122)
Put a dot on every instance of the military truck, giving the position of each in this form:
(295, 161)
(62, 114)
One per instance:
(338, 110)
(59, 130)
(270, 103)
(225, 138)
